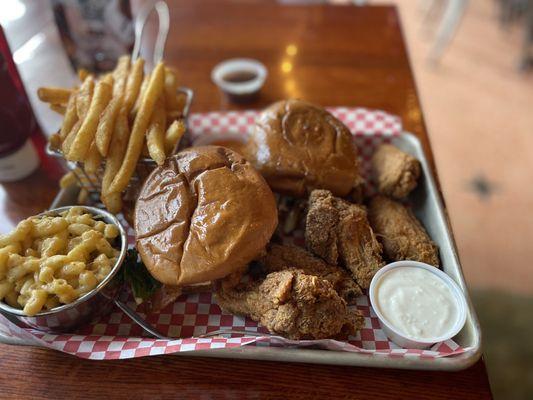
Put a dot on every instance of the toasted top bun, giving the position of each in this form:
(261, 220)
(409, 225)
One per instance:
(299, 147)
(202, 215)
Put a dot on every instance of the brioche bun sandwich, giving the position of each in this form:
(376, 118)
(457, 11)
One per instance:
(202, 215)
(299, 147)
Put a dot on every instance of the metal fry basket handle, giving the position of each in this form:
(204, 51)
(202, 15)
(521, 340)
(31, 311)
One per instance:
(140, 320)
(163, 15)
(154, 332)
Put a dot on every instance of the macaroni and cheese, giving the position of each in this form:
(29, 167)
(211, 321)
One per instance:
(52, 260)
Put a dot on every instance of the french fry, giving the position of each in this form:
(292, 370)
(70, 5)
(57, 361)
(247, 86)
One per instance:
(116, 117)
(153, 91)
(67, 143)
(55, 141)
(92, 160)
(104, 131)
(173, 135)
(82, 103)
(54, 95)
(174, 115)
(82, 74)
(119, 143)
(70, 116)
(155, 137)
(142, 91)
(85, 136)
(171, 90)
(113, 202)
(120, 74)
(134, 83)
(108, 78)
(83, 100)
(58, 108)
(68, 180)
(83, 196)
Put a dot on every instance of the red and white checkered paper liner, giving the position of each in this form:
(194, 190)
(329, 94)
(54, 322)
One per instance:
(115, 336)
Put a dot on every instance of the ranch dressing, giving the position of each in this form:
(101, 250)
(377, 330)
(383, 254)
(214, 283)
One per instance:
(416, 302)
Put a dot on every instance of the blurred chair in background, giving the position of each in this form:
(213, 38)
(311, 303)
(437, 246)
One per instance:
(451, 14)
(94, 33)
(513, 11)
(447, 14)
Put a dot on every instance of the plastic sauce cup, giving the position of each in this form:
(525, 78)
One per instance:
(240, 79)
(394, 333)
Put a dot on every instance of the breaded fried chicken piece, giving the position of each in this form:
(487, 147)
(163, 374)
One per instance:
(395, 172)
(280, 257)
(293, 304)
(339, 232)
(402, 234)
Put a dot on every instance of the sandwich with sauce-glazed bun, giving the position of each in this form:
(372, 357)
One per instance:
(299, 147)
(202, 215)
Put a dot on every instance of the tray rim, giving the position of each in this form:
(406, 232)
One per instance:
(329, 357)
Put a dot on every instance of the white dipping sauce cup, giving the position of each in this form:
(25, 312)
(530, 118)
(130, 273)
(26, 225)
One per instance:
(402, 339)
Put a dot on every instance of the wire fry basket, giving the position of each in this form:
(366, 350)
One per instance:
(92, 183)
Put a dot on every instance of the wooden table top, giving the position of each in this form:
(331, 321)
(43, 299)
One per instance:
(330, 55)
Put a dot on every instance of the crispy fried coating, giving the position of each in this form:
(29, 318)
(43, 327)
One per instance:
(339, 232)
(293, 304)
(402, 234)
(281, 257)
(395, 172)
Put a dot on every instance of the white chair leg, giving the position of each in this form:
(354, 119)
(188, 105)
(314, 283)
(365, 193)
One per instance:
(427, 9)
(526, 59)
(450, 21)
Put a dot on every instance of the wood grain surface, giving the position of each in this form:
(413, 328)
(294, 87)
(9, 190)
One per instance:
(349, 56)
(38, 374)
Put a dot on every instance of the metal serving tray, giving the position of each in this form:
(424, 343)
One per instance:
(428, 206)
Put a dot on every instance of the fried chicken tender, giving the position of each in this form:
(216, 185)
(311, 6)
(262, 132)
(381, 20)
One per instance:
(402, 234)
(339, 232)
(395, 172)
(282, 257)
(293, 304)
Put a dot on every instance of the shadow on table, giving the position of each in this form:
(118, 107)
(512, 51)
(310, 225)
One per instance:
(507, 325)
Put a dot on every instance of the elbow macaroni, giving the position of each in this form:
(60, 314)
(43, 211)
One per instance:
(48, 261)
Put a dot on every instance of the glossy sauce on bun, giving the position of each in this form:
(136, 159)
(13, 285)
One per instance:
(299, 147)
(202, 215)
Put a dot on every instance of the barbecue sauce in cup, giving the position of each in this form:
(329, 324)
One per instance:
(240, 79)
(239, 76)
